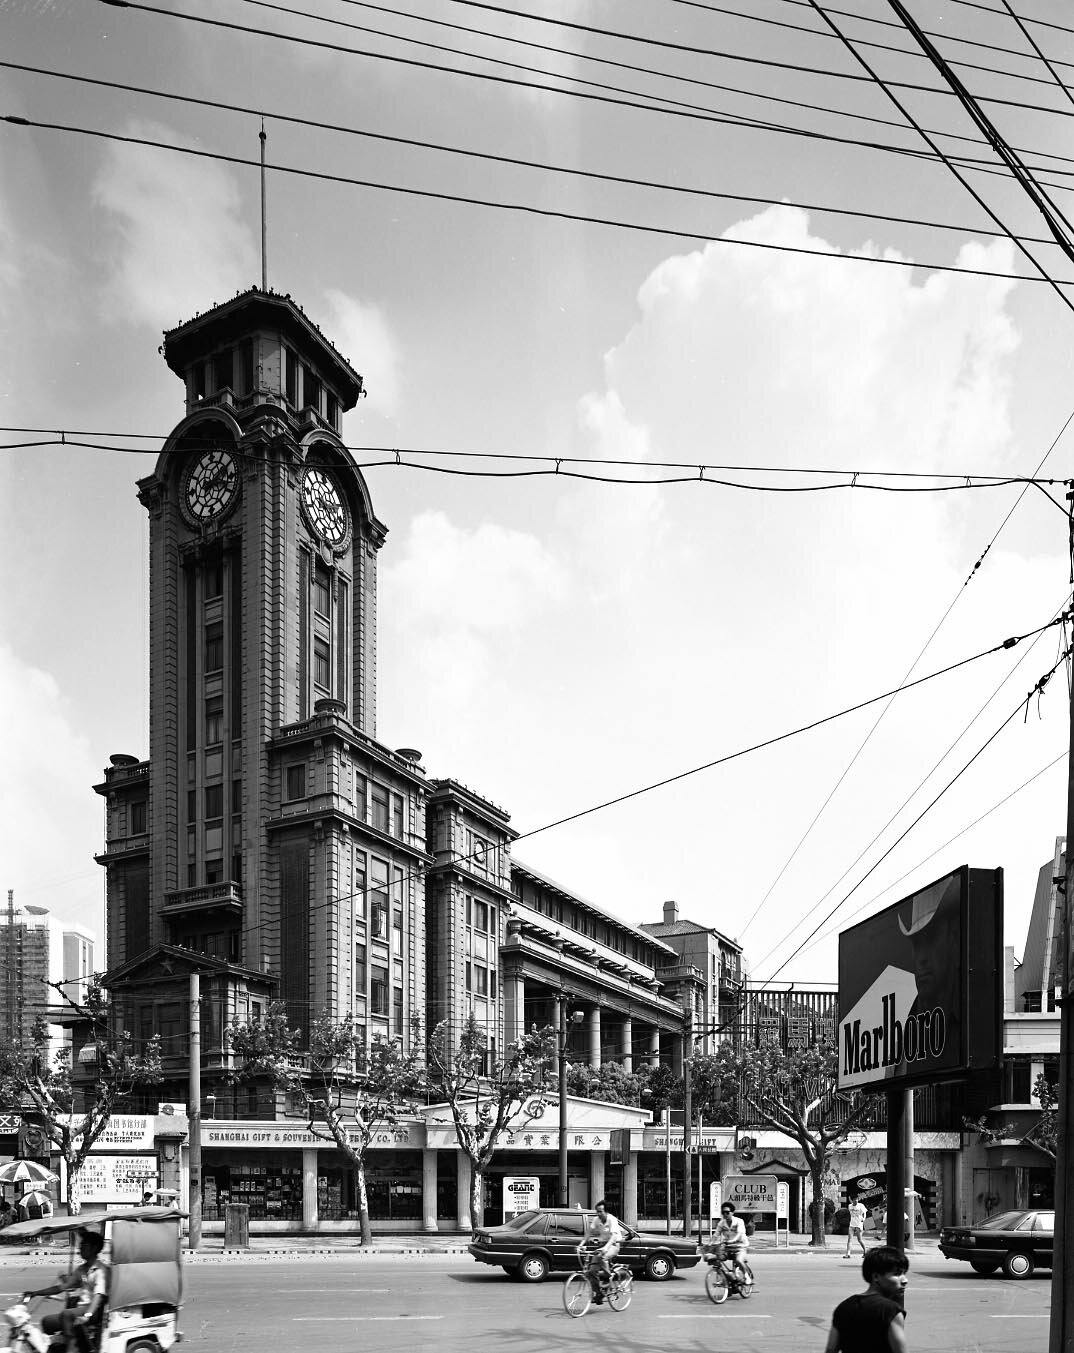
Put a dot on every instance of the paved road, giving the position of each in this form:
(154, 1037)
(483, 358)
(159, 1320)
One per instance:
(448, 1304)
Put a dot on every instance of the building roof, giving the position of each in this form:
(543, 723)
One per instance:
(256, 309)
(688, 928)
(534, 876)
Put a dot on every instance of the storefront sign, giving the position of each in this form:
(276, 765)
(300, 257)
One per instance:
(751, 1192)
(124, 1132)
(520, 1193)
(115, 1179)
(658, 1141)
(273, 1135)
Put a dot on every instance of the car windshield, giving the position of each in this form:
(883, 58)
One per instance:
(1004, 1221)
(520, 1221)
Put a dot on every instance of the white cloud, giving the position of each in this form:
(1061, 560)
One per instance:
(50, 820)
(180, 242)
(362, 334)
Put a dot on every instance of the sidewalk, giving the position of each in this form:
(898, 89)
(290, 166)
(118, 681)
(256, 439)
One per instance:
(417, 1245)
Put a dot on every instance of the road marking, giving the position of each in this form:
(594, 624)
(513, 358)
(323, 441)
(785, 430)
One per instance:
(1032, 1315)
(337, 1319)
(309, 1291)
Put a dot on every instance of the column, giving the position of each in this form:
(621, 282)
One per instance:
(628, 1045)
(516, 1008)
(654, 1047)
(630, 1187)
(594, 1039)
(428, 1188)
(462, 1186)
(309, 1188)
(596, 1177)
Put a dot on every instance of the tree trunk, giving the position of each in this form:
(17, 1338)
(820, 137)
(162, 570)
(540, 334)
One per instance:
(363, 1201)
(477, 1197)
(74, 1190)
(816, 1181)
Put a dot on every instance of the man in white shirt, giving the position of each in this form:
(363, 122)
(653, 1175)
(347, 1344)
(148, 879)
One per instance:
(856, 1228)
(606, 1229)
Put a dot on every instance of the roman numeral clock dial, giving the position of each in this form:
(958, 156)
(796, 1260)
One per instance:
(324, 507)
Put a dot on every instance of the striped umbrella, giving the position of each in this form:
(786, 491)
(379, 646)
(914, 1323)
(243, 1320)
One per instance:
(36, 1198)
(25, 1172)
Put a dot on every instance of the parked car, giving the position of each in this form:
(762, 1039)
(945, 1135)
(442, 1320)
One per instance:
(534, 1242)
(1018, 1242)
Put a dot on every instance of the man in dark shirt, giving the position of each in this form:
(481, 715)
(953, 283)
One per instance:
(873, 1321)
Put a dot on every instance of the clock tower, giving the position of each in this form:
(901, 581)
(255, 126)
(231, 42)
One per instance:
(282, 837)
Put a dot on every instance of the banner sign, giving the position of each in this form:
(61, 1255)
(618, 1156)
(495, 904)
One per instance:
(520, 1194)
(116, 1179)
(275, 1135)
(920, 985)
(751, 1192)
(123, 1132)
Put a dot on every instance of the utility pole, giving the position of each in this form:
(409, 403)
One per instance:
(687, 1112)
(561, 1037)
(1061, 1327)
(194, 1111)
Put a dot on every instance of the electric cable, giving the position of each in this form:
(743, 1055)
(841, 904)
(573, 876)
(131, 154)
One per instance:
(1051, 68)
(982, 121)
(762, 745)
(1023, 704)
(544, 212)
(516, 162)
(1061, 614)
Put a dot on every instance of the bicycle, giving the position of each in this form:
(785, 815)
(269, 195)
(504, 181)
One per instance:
(723, 1277)
(581, 1289)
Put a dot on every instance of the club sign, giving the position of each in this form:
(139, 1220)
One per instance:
(751, 1192)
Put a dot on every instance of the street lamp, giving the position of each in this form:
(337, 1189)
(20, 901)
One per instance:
(575, 1018)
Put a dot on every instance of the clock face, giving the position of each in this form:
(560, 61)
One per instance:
(212, 485)
(324, 506)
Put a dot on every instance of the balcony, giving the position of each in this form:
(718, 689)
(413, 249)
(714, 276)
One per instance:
(222, 897)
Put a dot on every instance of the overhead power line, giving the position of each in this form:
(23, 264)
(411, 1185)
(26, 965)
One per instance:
(548, 213)
(516, 162)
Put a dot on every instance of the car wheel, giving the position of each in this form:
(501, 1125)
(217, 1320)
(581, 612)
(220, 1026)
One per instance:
(1017, 1264)
(983, 1267)
(532, 1267)
(659, 1267)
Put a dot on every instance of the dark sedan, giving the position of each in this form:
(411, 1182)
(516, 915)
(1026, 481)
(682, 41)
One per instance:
(1017, 1242)
(531, 1244)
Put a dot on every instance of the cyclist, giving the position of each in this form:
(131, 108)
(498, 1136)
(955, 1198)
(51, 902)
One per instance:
(607, 1234)
(86, 1286)
(731, 1234)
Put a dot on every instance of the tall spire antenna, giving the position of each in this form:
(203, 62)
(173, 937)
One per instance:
(264, 214)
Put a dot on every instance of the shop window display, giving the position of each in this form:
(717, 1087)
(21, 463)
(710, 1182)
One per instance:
(271, 1189)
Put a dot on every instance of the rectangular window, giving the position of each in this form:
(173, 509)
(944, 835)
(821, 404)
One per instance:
(236, 797)
(214, 580)
(481, 980)
(397, 931)
(397, 1010)
(378, 989)
(322, 664)
(214, 871)
(296, 781)
(137, 817)
(359, 968)
(214, 647)
(359, 887)
(214, 722)
(291, 390)
(469, 977)
(397, 816)
(191, 805)
(214, 801)
(322, 591)
(481, 916)
(331, 409)
(236, 867)
(311, 390)
(246, 364)
(378, 901)
(223, 371)
(197, 380)
(380, 808)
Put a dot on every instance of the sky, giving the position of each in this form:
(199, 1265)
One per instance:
(669, 599)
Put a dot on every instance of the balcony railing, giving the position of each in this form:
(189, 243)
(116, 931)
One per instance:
(210, 896)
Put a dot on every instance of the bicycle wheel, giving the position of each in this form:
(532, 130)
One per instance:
(620, 1289)
(745, 1286)
(716, 1285)
(577, 1295)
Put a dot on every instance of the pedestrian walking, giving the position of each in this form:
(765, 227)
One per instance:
(856, 1228)
(873, 1321)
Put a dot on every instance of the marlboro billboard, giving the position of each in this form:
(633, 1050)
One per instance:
(920, 994)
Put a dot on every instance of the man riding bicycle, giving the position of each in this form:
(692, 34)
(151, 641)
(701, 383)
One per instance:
(731, 1234)
(607, 1234)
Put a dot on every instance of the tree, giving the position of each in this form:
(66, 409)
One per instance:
(347, 1093)
(1044, 1133)
(793, 1092)
(490, 1103)
(609, 1082)
(30, 1073)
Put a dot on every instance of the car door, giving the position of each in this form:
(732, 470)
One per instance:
(570, 1229)
(1044, 1238)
